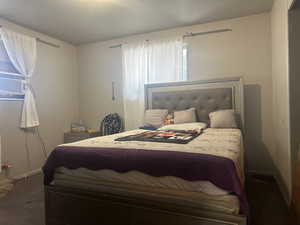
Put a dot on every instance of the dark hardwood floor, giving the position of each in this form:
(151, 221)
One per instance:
(24, 205)
(267, 204)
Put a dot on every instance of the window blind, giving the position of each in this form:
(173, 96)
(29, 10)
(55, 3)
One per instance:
(10, 79)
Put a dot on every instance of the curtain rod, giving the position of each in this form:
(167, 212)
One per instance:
(44, 42)
(206, 32)
(189, 35)
(48, 43)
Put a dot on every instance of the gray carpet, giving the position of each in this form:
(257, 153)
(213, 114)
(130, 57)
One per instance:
(24, 205)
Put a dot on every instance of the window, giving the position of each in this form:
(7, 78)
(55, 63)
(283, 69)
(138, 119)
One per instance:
(10, 79)
(157, 61)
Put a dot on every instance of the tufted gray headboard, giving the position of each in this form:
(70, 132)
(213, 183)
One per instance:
(206, 96)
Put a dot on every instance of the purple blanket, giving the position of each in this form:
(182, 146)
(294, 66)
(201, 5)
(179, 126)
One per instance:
(189, 166)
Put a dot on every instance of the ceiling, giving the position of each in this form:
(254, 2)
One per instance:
(83, 21)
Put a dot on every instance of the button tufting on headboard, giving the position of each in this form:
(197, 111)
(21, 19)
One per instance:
(204, 95)
(204, 100)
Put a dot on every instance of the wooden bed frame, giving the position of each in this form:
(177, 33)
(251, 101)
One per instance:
(73, 206)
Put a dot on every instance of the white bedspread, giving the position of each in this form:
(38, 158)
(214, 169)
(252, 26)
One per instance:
(219, 142)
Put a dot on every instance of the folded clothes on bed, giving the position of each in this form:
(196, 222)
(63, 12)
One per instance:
(165, 136)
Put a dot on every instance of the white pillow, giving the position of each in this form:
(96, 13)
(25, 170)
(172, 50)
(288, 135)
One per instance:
(185, 126)
(223, 119)
(155, 117)
(185, 116)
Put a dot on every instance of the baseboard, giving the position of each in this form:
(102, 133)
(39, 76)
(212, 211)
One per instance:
(28, 174)
(256, 172)
(263, 176)
(282, 187)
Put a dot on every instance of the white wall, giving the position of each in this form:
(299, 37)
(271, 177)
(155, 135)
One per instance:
(246, 52)
(280, 71)
(56, 86)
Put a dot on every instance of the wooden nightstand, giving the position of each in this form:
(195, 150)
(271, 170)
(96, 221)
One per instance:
(78, 136)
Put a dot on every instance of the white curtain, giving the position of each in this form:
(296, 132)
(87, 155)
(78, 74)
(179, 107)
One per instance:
(166, 61)
(21, 50)
(135, 66)
(148, 62)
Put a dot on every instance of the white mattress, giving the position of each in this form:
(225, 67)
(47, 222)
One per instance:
(139, 178)
(221, 203)
(226, 143)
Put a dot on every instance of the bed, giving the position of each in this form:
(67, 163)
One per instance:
(103, 181)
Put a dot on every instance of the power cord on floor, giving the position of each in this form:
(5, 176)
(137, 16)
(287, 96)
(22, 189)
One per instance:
(27, 154)
(37, 131)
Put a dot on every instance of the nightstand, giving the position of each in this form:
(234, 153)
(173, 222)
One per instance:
(78, 136)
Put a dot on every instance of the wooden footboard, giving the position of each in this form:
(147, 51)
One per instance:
(69, 206)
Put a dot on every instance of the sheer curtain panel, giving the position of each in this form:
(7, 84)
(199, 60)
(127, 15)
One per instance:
(21, 50)
(166, 61)
(135, 66)
(148, 62)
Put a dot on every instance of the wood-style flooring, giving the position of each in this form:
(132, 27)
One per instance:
(24, 205)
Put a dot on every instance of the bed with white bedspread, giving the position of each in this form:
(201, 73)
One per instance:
(206, 174)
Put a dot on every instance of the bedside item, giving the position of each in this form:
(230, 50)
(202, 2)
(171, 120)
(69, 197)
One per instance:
(78, 136)
(111, 124)
(92, 131)
(78, 127)
(155, 117)
(170, 119)
(223, 119)
(185, 116)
